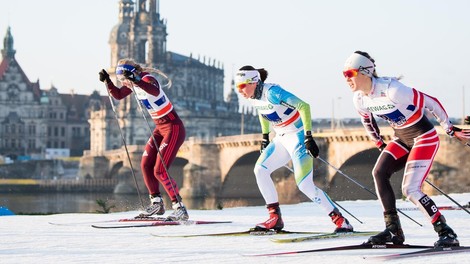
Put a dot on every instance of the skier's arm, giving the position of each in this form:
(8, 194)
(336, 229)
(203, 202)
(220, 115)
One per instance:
(265, 130)
(118, 93)
(369, 123)
(113, 90)
(150, 85)
(264, 124)
(434, 106)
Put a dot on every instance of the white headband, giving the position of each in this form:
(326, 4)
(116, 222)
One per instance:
(360, 62)
(250, 76)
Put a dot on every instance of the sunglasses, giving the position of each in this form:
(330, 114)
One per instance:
(241, 86)
(350, 73)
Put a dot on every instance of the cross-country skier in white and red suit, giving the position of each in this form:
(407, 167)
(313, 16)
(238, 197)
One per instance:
(414, 147)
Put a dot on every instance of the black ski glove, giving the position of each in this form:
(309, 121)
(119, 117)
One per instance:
(104, 76)
(380, 144)
(452, 131)
(310, 145)
(264, 142)
(382, 147)
(131, 76)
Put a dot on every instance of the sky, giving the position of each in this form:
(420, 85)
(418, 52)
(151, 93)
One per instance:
(302, 43)
(31, 239)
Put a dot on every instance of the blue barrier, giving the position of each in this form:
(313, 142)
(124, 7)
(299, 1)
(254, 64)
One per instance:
(5, 211)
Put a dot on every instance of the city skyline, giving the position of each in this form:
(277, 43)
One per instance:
(302, 45)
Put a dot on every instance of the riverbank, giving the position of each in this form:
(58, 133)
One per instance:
(61, 185)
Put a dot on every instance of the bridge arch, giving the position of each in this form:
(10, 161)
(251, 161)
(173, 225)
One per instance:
(240, 179)
(114, 170)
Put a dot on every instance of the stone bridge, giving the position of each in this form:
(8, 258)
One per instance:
(222, 168)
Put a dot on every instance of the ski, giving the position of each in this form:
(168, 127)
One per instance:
(134, 219)
(439, 207)
(156, 223)
(340, 248)
(324, 236)
(425, 252)
(243, 233)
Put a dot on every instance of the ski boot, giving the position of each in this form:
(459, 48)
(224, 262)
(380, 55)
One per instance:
(392, 233)
(447, 236)
(274, 221)
(342, 224)
(156, 205)
(179, 214)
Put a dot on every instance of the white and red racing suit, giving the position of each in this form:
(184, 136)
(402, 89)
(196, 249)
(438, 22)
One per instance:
(415, 143)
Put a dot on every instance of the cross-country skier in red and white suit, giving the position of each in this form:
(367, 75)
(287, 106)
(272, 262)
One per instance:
(169, 133)
(414, 147)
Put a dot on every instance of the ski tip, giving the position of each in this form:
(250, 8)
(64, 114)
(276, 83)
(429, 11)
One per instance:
(422, 252)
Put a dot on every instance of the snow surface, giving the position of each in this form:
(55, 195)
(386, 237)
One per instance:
(31, 239)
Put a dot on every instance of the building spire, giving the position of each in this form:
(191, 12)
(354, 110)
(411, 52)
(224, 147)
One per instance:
(154, 7)
(126, 10)
(8, 51)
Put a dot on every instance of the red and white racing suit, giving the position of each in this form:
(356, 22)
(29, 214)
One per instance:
(415, 144)
(169, 134)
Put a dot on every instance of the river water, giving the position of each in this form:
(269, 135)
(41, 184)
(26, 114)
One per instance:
(52, 203)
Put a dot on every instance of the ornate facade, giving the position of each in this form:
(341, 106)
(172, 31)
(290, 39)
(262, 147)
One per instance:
(35, 122)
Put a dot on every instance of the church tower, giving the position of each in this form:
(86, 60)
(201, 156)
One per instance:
(140, 34)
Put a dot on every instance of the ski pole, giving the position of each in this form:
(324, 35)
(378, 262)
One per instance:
(363, 187)
(342, 208)
(139, 103)
(125, 146)
(450, 198)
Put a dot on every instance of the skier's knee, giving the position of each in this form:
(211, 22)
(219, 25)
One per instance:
(412, 194)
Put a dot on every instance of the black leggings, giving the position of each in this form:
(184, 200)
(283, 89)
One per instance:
(385, 166)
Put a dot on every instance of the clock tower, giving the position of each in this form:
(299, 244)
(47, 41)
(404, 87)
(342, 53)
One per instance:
(140, 34)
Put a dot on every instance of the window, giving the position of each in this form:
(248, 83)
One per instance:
(31, 144)
(76, 131)
(32, 130)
